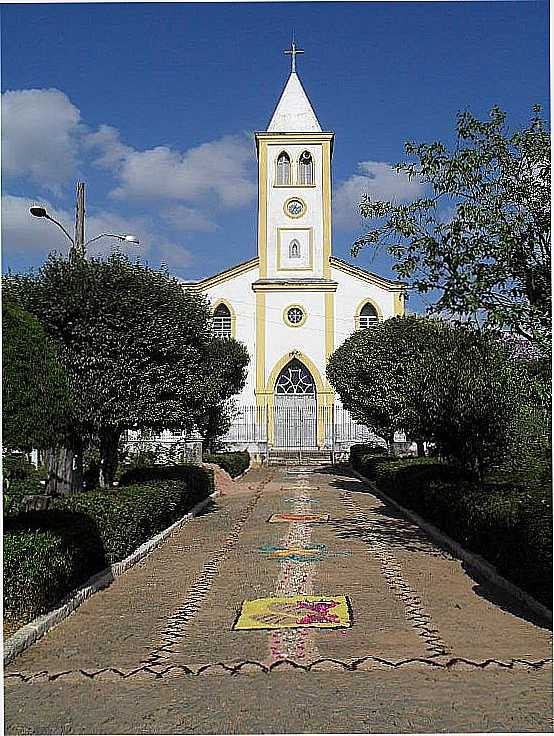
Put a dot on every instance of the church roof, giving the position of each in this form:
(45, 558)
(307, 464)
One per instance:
(294, 113)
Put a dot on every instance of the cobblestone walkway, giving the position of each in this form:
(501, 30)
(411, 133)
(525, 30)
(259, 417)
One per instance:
(426, 646)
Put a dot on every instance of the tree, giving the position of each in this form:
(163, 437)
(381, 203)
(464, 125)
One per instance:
(449, 383)
(36, 407)
(468, 391)
(137, 347)
(482, 236)
(374, 371)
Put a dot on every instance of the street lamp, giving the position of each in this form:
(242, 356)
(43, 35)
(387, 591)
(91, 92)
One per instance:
(78, 243)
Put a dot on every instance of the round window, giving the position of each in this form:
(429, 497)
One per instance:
(295, 315)
(295, 207)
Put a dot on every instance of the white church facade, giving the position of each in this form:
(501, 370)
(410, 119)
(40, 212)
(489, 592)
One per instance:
(294, 303)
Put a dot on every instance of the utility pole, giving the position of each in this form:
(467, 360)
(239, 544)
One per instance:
(79, 240)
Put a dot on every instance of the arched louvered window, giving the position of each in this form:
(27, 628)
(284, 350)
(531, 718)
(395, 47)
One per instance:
(294, 249)
(221, 321)
(368, 316)
(306, 168)
(283, 169)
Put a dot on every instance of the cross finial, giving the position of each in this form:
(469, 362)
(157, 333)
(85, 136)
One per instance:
(293, 51)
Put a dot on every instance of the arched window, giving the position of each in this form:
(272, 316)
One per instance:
(294, 249)
(221, 321)
(295, 378)
(306, 168)
(283, 169)
(368, 317)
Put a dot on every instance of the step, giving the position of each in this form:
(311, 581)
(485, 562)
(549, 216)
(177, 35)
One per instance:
(299, 457)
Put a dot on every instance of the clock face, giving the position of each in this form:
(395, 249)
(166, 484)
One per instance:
(295, 207)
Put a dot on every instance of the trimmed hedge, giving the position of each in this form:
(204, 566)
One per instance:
(46, 555)
(49, 553)
(195, 476)
(235, 463)
(507, 524)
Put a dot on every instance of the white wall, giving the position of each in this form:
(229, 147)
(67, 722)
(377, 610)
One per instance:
(350, 292)
(238, 293)
(309, 338)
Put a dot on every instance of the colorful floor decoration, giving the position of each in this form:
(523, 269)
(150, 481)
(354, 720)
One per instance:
(314, 553)
(287, 518)
(302, 500)
(299, 611)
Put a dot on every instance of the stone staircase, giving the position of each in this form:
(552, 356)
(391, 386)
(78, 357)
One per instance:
(299, 457)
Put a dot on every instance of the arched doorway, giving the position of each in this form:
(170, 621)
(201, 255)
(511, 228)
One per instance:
(295, 407)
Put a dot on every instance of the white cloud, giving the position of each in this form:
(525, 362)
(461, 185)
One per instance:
(174, 256)
(45, 141)
(40, 136)
(188, 218)
(25, 236)
(107, 140)
(380, 181)
(219, 173)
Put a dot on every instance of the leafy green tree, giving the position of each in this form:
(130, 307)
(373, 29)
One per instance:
(137, 347)
(482, 236)
(468, 391)
(448, 383)
(36, 407)
(375, 374)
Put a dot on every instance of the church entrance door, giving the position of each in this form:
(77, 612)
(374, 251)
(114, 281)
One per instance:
(295, 408)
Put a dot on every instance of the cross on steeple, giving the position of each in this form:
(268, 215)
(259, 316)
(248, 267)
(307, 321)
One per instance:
(293, 51)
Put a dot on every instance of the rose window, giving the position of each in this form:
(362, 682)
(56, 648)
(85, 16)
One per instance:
(295, 315)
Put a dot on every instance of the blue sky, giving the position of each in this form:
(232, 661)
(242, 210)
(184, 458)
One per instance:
(154, 105)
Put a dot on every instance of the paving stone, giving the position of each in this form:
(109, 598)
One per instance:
(412, 605)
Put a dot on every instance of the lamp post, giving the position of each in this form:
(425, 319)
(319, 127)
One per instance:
(78, 244)
(64, 464)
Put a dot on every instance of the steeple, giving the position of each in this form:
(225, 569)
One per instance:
(294, 113)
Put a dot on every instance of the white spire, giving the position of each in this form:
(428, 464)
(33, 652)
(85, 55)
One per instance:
(294, 113)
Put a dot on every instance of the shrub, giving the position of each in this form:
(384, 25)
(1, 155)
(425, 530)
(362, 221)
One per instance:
(198, 479)
(48, 553)
(235, 463)
(505, 522)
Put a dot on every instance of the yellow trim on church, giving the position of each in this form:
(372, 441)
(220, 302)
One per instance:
(220, 278)
(399, 303)
(260, 347)
(294, 286)
(326, 209)
(262, 208)
(372, 278)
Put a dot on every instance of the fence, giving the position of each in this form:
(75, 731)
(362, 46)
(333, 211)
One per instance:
(298, 424)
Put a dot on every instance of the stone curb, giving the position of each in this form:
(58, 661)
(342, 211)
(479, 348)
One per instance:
(31, 632)
(473, 560)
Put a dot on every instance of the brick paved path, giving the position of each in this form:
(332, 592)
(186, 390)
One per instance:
(430, 648)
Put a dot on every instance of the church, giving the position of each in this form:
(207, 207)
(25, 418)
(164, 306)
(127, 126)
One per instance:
(294, 302)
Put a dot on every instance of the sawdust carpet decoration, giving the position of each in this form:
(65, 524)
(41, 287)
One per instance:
(302, 500)
(287, 518)
(313, 553)
(298, 611)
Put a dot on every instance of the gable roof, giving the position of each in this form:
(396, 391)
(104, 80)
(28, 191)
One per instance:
(361, 273)
(294, 112)
(217, 278)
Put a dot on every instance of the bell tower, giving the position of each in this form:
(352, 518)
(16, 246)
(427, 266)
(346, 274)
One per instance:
(294, 190)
